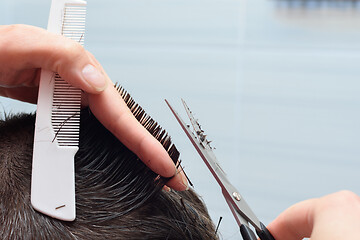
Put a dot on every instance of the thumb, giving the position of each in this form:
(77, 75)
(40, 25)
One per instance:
(295, 223)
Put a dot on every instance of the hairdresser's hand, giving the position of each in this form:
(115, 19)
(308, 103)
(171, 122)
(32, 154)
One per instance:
(333, 217)
(26, 49)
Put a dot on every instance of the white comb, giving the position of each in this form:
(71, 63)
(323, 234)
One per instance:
(57, 124)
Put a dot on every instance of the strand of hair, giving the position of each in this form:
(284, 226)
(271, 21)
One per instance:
(217, 227)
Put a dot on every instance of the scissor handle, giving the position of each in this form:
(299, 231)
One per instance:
(264, 234)
(247, 233)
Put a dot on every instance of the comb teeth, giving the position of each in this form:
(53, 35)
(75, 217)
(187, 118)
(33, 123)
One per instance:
(74, 22)
(65, 117)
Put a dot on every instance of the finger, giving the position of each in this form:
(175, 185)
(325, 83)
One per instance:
(27, 47)
(178, 182)
(337, 216)
(113, 113)
(24, 94)
(295, 223)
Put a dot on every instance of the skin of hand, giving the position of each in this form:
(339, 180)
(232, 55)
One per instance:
(332, 217)
(24, 50)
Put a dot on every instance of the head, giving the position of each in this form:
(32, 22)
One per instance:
(117, 196)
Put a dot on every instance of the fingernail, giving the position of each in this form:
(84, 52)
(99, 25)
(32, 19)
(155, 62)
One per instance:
(166, 188)
(184, 180)
(94, 77)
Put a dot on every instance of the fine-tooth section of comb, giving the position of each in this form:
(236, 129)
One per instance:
(65, 116)
(58, 123)
(74, 22)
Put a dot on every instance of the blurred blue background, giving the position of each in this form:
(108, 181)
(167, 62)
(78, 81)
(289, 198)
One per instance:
(274, 83)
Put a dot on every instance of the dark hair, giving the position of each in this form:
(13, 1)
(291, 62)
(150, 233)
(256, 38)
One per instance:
(117, 196)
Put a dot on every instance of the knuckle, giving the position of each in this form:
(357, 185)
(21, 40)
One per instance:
(13, 34)
(113, 127)
(72, 50)
(10, 29)
(18, 31)
(347, 197)
(67, 54)
(14, 28)
(15, 39)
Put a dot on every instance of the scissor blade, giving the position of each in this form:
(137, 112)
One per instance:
(204, 149)
(194, 122)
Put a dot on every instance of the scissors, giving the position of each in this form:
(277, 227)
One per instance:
(239, 208)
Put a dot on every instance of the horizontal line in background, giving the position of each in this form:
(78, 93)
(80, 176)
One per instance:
(306, 102)
(165, 45)
(298, 150)
(355, 50)
(226, 47)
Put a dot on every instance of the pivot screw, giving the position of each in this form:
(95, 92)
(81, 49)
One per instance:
(236, 196)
